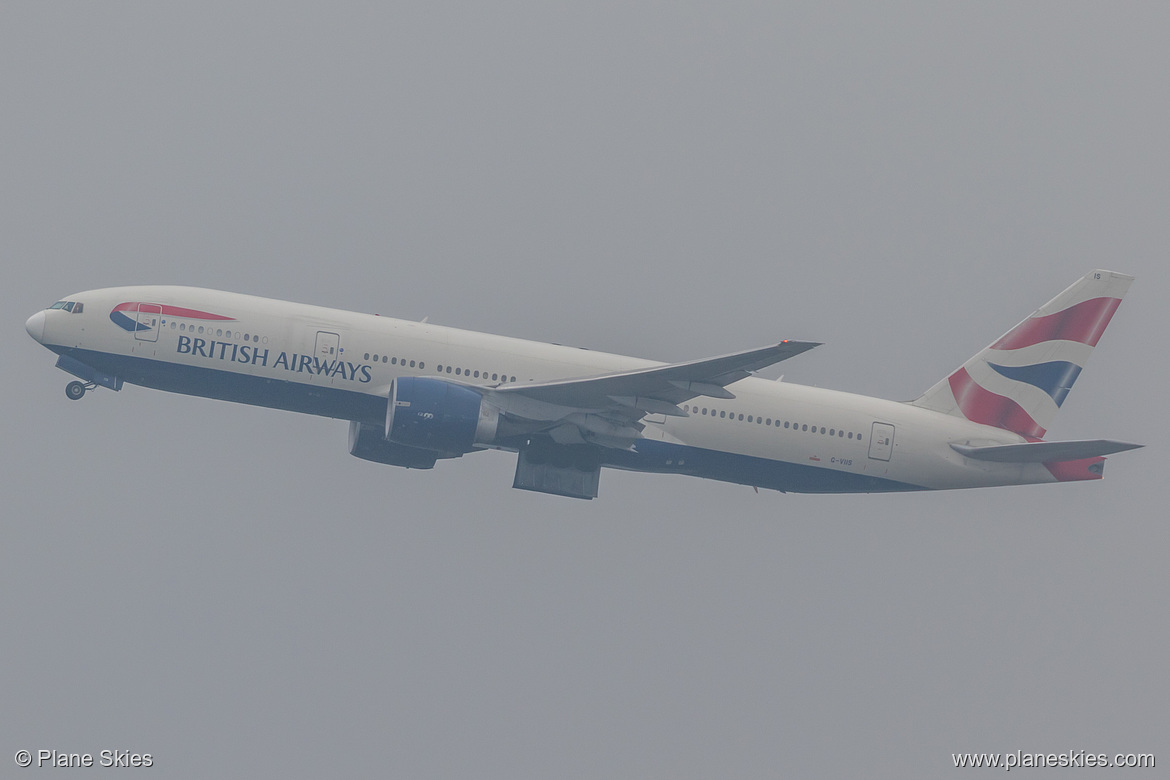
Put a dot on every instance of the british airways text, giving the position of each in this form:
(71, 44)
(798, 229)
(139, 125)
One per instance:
(244, 353)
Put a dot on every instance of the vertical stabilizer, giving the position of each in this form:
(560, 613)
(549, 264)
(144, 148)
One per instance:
(1019, 382)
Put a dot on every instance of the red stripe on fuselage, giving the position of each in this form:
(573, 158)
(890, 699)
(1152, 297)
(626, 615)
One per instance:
(1084, 322)
(174, 311)
(980, 405)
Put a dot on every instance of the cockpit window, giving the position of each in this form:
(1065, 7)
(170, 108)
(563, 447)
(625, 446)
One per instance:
(74, 307)
(59, 305)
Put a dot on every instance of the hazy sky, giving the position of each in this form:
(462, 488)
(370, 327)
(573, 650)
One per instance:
(224, 587)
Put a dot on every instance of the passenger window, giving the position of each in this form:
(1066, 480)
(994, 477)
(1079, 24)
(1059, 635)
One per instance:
(412, 364)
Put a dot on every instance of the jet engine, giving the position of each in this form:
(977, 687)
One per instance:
(368, 442)
(439, 416)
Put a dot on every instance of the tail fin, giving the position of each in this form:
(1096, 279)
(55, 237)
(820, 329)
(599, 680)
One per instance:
(1019, 382)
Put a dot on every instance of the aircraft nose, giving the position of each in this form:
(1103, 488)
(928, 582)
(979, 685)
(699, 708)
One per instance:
(36, 325)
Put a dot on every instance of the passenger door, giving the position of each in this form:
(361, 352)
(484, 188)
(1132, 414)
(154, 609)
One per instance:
(881, 441)
(328, 345)
(327, 352)
(148, 322)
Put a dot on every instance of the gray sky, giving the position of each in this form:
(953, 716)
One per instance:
(225, 588)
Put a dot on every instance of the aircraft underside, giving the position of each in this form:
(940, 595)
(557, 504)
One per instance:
(416, 393)
(565, 468)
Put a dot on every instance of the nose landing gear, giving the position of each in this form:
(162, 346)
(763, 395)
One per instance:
(75, 390)
(90, 377)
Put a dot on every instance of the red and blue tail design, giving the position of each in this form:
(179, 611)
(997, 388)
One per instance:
(1019, 382)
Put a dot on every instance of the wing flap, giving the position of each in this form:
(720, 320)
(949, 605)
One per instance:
(606, 409)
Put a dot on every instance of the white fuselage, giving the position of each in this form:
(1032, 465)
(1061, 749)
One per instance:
(341, 364)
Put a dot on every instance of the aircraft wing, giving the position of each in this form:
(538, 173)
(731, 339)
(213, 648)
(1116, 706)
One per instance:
(606, 408)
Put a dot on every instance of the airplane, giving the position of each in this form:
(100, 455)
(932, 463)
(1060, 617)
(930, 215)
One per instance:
(415, 393)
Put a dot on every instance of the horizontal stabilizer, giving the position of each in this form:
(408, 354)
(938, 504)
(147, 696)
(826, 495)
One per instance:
(1044, 451)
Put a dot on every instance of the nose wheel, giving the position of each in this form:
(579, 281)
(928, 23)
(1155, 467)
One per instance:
(75, 390)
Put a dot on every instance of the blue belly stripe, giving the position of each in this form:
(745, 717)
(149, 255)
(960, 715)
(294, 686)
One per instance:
(649, 456)
(664, 458)
(321, 400)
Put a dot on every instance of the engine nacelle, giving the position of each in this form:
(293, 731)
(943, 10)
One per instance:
(368, 442)
(439, 416)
